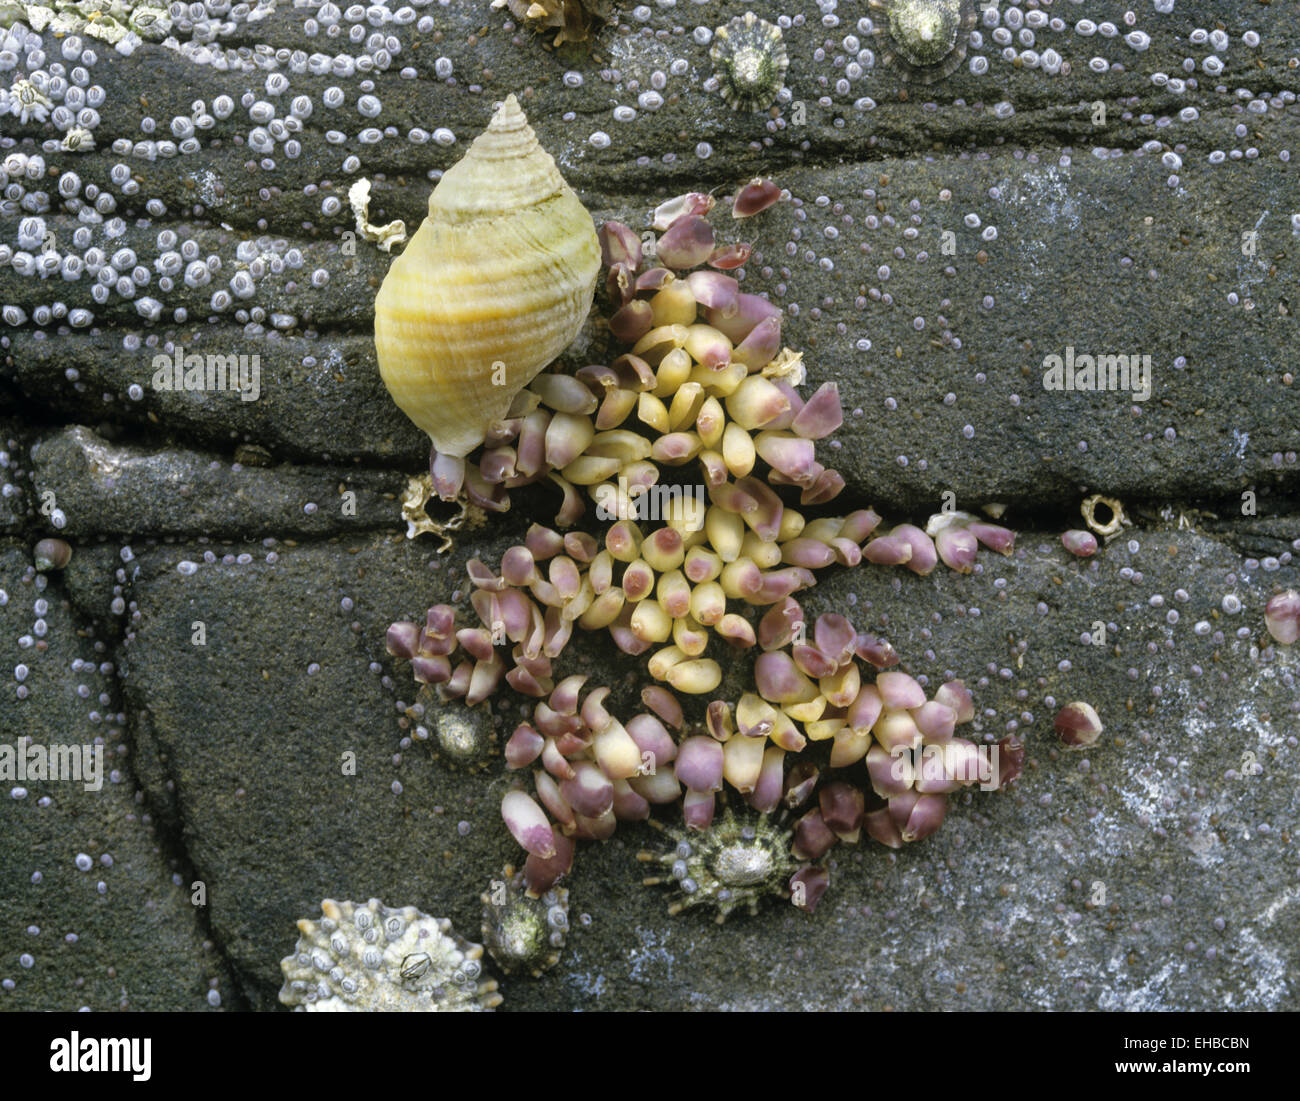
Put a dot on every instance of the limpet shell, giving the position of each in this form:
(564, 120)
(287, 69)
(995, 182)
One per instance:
(925, 40)
(368, 957)
(750, 61)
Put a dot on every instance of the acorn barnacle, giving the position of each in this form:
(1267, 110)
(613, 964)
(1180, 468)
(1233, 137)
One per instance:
(750, 61)
(367, 957)
(522, 932)
(924, 39)
(464, 736)
(733, 863)
(496, 282)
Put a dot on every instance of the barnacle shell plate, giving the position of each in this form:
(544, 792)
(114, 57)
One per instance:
(496, 282)
(369, 957)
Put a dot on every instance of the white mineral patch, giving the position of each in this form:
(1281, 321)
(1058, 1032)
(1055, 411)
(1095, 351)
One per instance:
(1147, 998)
(651, 961)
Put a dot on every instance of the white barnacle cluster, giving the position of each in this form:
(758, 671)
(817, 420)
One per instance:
(123, 24)
(52, 55)
(49, 98)
(367, 957)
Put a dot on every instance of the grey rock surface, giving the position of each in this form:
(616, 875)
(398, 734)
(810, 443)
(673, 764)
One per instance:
(1154, 871)
(13, 498)
(98, 909)
(996, 910)
(95, 484)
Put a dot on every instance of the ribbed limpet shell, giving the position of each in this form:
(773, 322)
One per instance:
(925, 40)
(749, 61)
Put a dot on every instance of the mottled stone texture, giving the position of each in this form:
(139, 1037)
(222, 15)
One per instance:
(97, 903)
(1155, 870)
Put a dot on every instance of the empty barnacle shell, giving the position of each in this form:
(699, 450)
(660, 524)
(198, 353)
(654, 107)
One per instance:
(496, 282)
(924, 39)
(1113, 519)
(418, 493)
(415, 965)
(750, 62)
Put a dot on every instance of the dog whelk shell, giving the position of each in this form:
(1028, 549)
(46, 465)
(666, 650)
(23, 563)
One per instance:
(496, 282)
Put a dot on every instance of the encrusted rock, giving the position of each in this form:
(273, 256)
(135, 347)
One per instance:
(366, 957)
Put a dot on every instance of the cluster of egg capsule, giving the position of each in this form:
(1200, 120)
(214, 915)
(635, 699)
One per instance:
(717, 390)
(705, 379)
(596, 771)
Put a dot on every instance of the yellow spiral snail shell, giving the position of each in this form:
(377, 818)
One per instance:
(496, 282)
